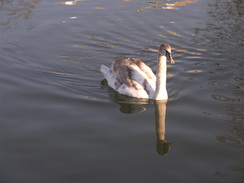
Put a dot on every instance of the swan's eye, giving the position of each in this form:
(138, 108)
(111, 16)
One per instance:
(166, 52)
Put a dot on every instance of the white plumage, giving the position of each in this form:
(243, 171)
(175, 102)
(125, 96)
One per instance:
(134, 78)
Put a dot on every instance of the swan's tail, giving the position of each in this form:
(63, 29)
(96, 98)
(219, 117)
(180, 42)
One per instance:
(105, 70)
(108, 76)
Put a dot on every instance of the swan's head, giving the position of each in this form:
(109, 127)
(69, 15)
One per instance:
(165, 49)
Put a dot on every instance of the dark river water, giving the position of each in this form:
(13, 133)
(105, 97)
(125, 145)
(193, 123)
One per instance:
(61, 123)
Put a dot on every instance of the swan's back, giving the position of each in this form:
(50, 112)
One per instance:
(130, 77)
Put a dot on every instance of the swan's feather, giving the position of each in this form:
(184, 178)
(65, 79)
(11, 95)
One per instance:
(130, 77)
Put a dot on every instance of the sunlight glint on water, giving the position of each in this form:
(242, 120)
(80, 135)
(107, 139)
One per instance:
(60, 122)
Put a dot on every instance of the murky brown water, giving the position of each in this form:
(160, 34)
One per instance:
(60, 122)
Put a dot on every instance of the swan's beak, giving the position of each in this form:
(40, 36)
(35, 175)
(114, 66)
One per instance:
(170, 59)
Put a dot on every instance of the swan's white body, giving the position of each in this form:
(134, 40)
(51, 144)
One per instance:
(134, 78)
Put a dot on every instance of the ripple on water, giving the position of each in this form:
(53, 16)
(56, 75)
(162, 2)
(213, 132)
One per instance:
(58, 103)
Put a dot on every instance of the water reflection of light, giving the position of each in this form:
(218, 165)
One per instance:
(82, 46)
(201, 49)
(69, 3)
(161, 5)
(127, 40)
(185, 51)
(194, 71)
(225, 99)
(99, 8)
(103, 44)
(33, 2)
(150, 49)
(182, 3)
(194, 53)
(14, 10)
(173, 33)
(162, 36)
(59, 73)
(66, 3)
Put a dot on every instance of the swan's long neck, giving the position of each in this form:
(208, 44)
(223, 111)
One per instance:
(161, 92)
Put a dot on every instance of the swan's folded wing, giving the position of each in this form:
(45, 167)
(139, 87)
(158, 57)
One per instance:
(124, 74)
(148, 84)
(136, 74)
(127, 78)
(144, 68)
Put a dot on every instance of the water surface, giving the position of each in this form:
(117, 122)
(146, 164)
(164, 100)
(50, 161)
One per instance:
(60, 122)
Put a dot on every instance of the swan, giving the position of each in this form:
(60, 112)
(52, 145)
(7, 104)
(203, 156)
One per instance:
(132, 77)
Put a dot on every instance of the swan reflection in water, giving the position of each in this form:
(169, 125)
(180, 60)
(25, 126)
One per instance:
(163, 146)
(131, 105)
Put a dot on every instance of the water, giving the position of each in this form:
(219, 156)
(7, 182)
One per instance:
(60, 122)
